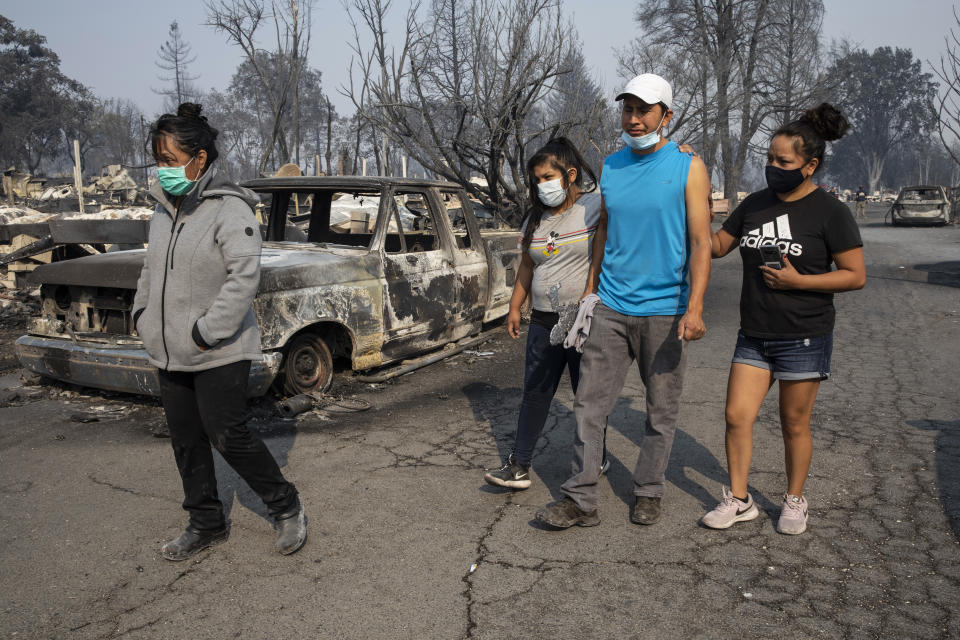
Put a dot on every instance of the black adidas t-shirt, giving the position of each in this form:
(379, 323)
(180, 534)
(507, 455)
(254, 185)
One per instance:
(809, 231)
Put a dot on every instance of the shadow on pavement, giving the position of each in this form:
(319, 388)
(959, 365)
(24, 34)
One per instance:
(499, 407)
(279, 437)
(687, 454)
(948, 465)
(942, 273)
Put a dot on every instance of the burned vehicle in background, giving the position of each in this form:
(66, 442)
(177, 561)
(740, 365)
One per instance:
(366, 270)
(922, 204)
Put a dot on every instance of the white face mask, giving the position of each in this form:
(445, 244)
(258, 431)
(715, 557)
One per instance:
(644, 142)
(552, 194)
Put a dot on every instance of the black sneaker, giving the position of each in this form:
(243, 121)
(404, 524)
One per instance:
(646, 510)
(565, 513)
(510, 475)
(191, 542)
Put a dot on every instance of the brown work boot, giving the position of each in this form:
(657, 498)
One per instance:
(565, 513)
(646, 510)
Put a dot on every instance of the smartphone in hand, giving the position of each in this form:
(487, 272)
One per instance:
(770, 256)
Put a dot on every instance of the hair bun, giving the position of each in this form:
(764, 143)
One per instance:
(190, 110)
(827, 121)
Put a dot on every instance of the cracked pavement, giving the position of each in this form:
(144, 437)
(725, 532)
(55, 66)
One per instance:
(399, 513)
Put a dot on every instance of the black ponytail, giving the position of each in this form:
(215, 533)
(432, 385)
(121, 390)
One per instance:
(814, 129)
(562, 155)
(189, 129)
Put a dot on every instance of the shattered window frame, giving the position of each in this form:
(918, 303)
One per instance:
(469, 226)
(320, 228)
(435, 228)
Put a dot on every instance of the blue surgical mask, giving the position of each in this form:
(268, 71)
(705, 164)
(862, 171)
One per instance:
(174, 180)
(646, 141)
(552, 194)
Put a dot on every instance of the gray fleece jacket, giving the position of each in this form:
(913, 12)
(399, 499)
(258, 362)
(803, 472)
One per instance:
(193, 307)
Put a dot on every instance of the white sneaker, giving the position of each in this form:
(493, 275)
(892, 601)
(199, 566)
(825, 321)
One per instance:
(730, 510)
(793, 517)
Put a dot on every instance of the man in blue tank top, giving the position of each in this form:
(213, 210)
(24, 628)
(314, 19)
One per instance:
(651, 264)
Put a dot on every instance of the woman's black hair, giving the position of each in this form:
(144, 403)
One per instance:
(814, 129)
(189, 130)
(562, 155)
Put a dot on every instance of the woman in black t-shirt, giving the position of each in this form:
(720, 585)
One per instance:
(788, 235)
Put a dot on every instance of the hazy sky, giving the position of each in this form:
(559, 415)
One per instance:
(111, 45)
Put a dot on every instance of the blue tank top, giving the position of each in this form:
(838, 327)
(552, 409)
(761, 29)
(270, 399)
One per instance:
(646, 257)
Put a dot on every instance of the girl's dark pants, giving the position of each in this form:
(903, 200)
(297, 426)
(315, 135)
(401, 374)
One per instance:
(210, 407)
(543, 367)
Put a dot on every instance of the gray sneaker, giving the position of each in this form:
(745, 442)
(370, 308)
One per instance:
(510, 475)
(729, 511)
(793, 517)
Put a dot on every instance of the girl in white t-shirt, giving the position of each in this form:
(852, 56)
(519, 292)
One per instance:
(555, 269)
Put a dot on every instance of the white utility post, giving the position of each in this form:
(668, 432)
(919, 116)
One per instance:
(364, 166)
(403, 159)
(78, 173)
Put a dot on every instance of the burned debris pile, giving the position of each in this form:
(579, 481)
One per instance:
(45, 220)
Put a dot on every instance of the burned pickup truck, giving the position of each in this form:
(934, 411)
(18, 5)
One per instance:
(366, 271)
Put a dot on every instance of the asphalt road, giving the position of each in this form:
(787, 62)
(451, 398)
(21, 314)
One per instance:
(400, 516)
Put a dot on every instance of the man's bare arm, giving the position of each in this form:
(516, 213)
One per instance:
(698, 229)
(596, 257)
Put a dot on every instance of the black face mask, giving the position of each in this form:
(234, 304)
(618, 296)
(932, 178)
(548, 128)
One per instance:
(783, 180)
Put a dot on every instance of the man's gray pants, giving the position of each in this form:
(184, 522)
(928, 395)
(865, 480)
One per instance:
(615, 341)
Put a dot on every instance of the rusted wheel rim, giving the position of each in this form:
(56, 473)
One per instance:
(309, 365)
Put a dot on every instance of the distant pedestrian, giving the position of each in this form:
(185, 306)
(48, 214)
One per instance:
(861, 200)
(654, 232)
(557, 245)
(786, 310)
(193, 310)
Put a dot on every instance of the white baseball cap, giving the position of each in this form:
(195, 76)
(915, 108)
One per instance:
(650, 88)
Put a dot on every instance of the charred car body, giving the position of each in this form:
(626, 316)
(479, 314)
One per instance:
(370, 270)
(921, 205)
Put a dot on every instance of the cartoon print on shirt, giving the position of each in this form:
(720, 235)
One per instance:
(551, 248)
(774, 233)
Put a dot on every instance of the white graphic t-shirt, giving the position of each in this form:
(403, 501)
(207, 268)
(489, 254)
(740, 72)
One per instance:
(808, 231)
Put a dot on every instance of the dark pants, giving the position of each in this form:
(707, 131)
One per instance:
(205, 407)
(543, 367)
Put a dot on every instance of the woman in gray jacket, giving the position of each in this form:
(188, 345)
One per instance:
(193, 310)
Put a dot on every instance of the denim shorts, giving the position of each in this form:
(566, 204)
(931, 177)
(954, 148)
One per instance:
(794, 359)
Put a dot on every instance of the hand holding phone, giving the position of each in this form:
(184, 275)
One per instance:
(770, 256)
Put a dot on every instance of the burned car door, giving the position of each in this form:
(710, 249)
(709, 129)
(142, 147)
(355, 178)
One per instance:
(420, 275)
(469, 255)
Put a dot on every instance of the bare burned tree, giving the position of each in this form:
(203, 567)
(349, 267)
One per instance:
(737, 67)
(948, 99)
(577, 109)
(794, 62)
(175, 55)
(278, 71)
(457, 91)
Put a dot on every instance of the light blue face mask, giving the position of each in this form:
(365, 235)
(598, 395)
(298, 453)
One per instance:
(552, 194)
(174, 180)
(644, 142)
